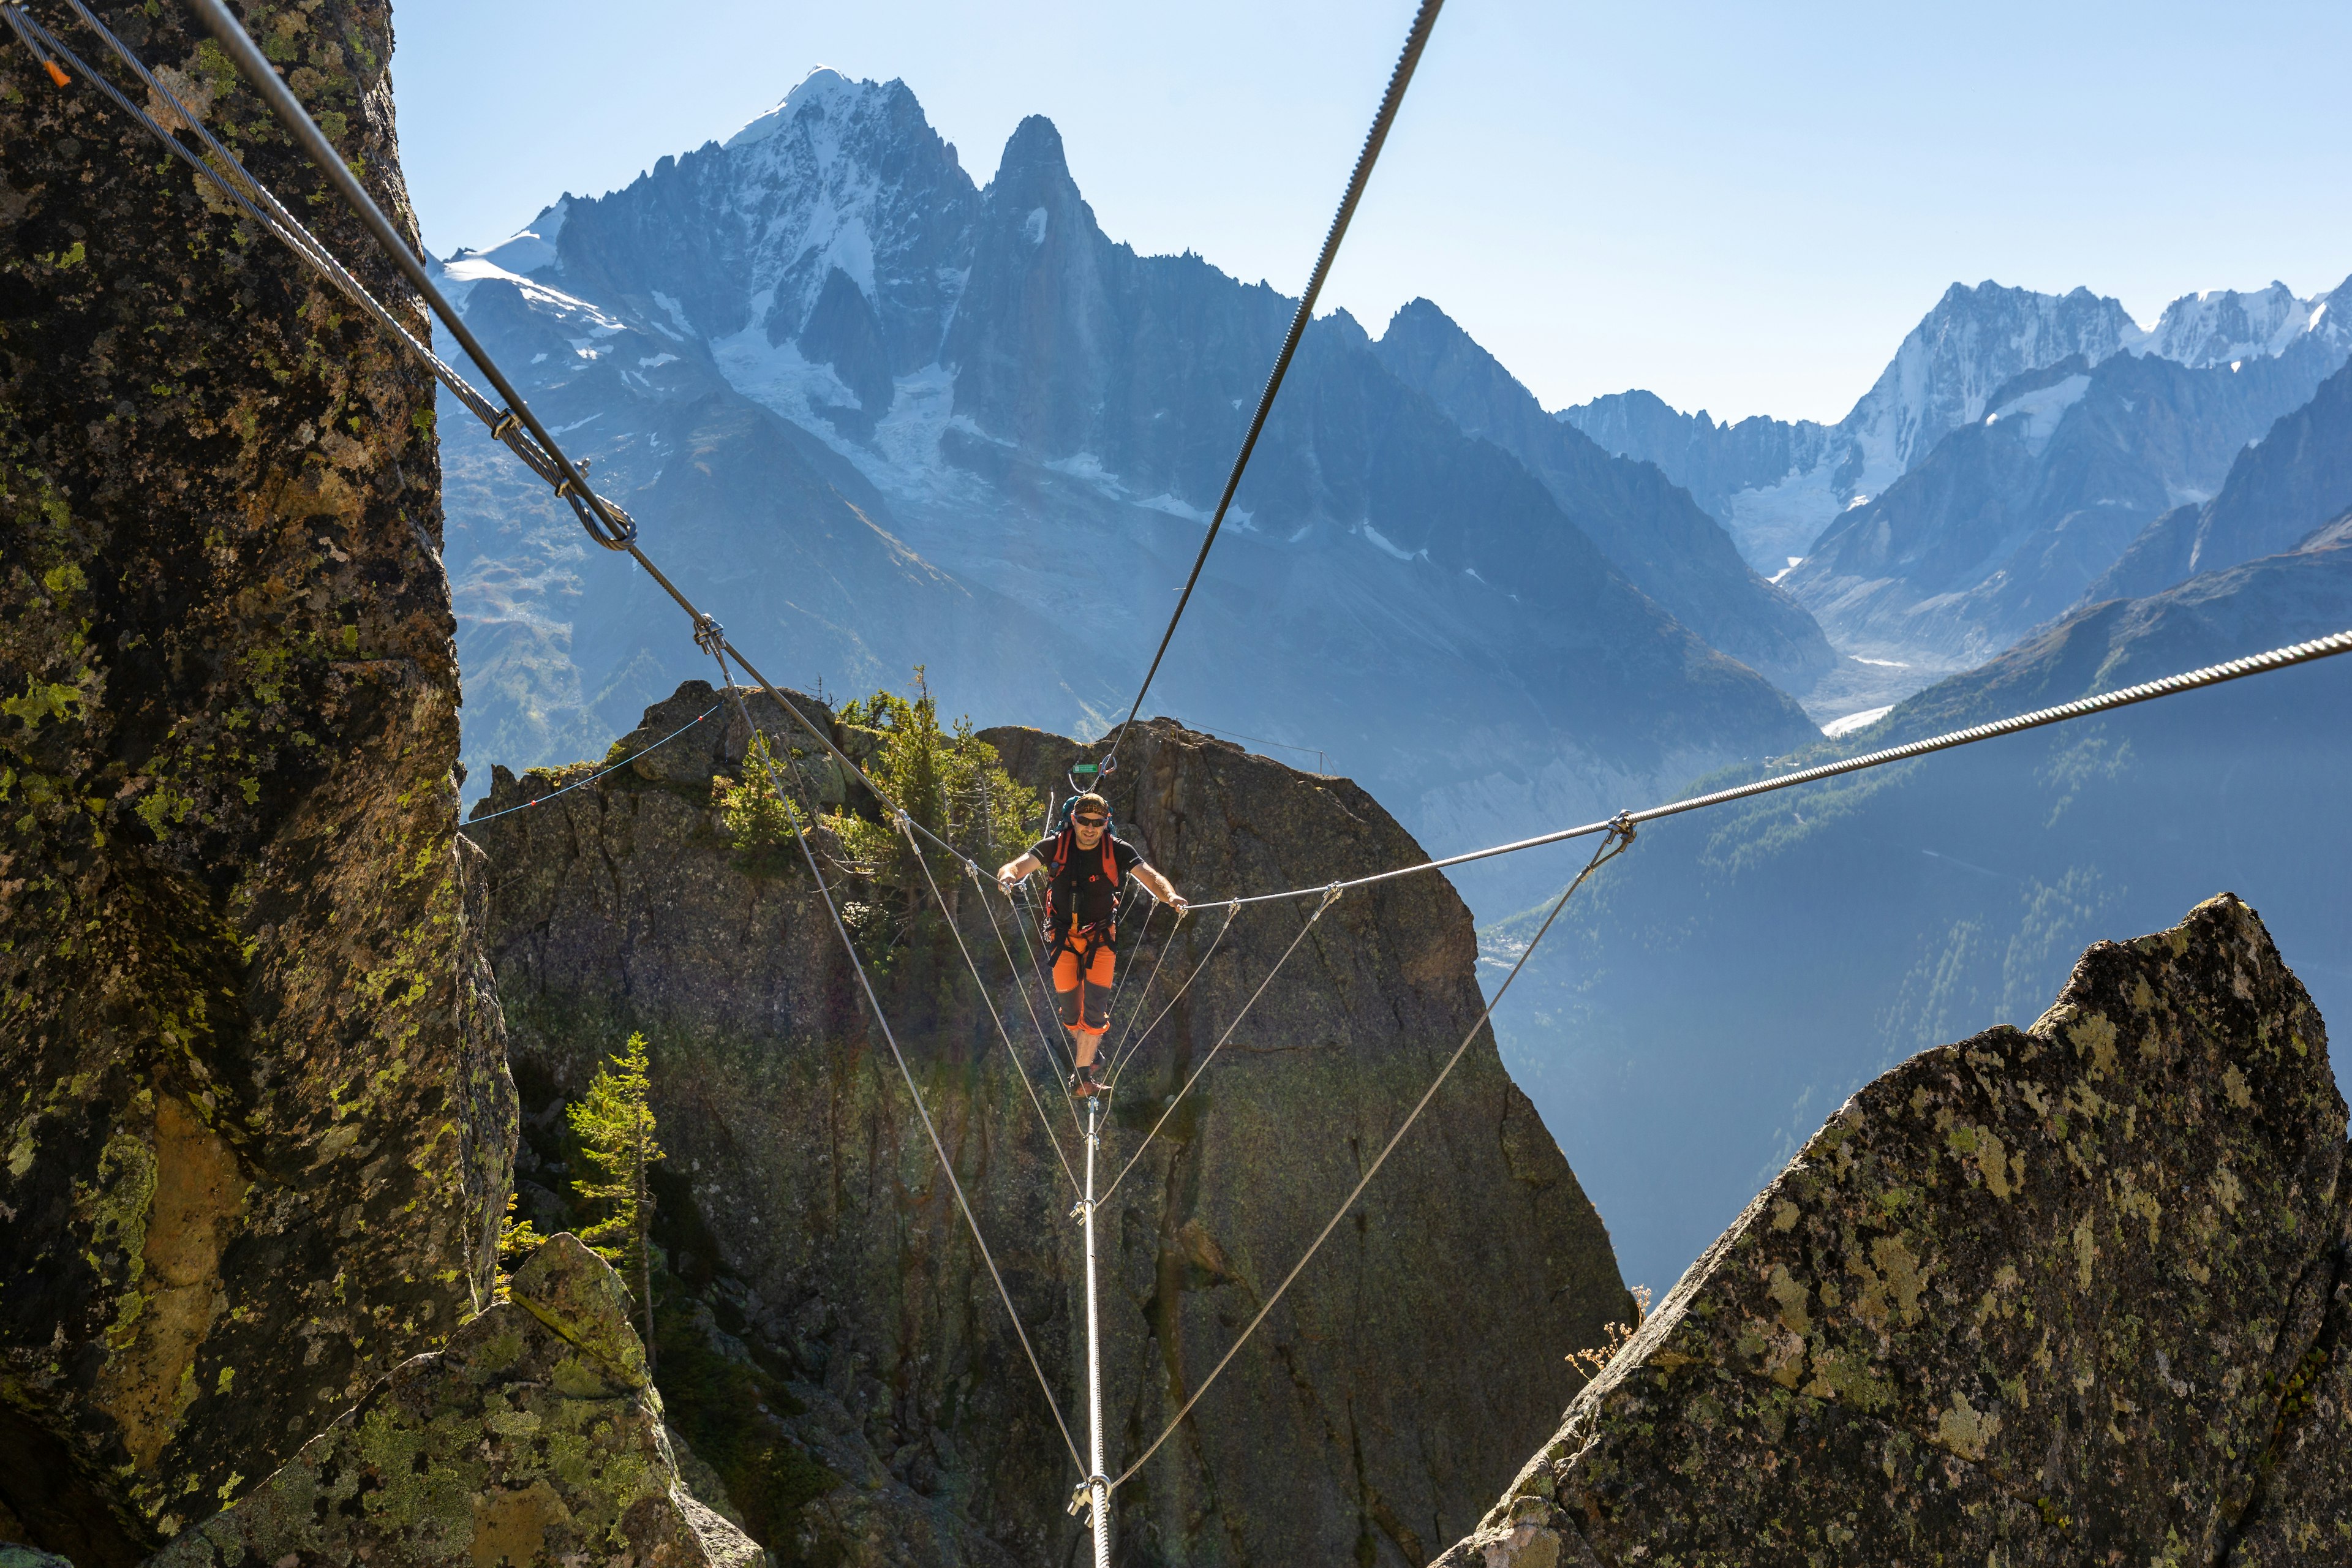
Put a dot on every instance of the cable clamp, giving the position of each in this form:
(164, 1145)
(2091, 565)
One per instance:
(1330, 896)
(1082, 1495)
(1622, 825)
(505, 423)
(708, 635)
(906, 822)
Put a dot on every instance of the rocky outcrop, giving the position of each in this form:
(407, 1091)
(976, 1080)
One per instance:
(254, 1118)
(535, 1438)
(1389, 1394)
(2071, 1294)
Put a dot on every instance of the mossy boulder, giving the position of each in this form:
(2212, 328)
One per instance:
(2069, 1294)
(534, 1438)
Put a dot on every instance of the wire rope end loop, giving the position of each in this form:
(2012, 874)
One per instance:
(709, 636)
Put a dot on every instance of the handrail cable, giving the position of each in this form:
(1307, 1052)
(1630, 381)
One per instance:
(980, 984)
(1330, 897)
(1621, 835)
(800, 820)
(1037, 967)
(1127, 1051)
(2167, 686)
(1027, 1002)
(259, 203)
(606, 524)
(1415, 40)
(600, 773)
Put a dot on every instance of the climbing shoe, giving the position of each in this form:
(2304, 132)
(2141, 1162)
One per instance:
(1084, 1085)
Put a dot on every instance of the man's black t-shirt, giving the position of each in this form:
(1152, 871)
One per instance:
(1080, 886)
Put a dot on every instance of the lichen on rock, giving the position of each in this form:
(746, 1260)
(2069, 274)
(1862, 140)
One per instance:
(534, 1438)
(2069, 1294)
(254, 1118)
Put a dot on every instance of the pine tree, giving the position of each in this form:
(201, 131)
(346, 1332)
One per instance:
(613, 1124)
(951, 782)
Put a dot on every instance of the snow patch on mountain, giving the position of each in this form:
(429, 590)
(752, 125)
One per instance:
(2041, 409)
(776, 375)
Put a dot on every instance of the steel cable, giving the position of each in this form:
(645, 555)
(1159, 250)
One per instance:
(906, 825)
(600, 773)
(1127, 1052)
(1013, 968)
(606, 524)
(259, 203)
(1416, 39)
(1621, 835)
(1177, 1098)
(800, 821)
(2167, 686)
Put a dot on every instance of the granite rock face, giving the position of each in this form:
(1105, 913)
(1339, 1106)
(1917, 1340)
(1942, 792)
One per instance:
(255, 1118)
(535, 1438)
(1398, 1381)
(2073, 1294)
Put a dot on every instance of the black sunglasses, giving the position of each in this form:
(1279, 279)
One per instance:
(1090, 821)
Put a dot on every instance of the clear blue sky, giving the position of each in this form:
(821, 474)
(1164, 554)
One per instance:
(1741, 206)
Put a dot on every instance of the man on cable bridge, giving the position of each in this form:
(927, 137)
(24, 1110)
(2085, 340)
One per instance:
(1085, 866)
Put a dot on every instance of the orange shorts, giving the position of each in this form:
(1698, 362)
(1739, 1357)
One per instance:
(1082, 972)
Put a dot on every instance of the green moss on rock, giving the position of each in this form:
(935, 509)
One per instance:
(532, 1439)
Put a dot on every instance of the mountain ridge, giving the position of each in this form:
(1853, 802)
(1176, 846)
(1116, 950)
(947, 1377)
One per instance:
(1061, 413)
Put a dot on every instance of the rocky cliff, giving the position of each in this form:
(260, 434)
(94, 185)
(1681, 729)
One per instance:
(255, 1110)
(2071, 1294)
(817, 1251)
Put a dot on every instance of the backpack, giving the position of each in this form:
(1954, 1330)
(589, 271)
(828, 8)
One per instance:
(1063, 842)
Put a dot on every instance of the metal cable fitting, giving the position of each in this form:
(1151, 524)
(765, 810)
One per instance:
(709, 636)
(507, 420)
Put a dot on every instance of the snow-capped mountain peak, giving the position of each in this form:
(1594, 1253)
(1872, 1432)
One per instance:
(2224, 325)
(530, 247)
(825, 92)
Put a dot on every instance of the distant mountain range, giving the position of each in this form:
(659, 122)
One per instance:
(1739, 972)
(878, 416)
(2012, 452)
